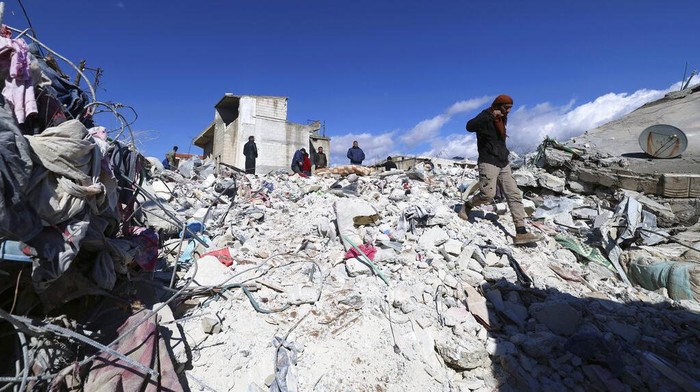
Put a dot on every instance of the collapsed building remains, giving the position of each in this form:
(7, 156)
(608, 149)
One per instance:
(117, 276)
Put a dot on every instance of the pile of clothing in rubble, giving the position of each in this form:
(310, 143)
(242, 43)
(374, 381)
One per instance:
(66, 187)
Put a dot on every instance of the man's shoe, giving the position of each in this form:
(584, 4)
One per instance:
(464, 211)
(527, 238)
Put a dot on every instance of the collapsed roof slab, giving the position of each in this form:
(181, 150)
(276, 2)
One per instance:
(621, 137)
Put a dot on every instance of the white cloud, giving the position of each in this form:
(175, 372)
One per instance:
(430, 128)
(527, 127)
(376, 147)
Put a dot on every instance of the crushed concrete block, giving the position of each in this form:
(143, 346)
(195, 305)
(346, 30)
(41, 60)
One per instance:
(456, 315)
(209, 272)
(355, 267)
(525, 178)
(493, 260)
(161, 190)
(452, 247)
(200, 214)
(628, 332)
(493, 274)
(450, 281)
(552, 182)
(432, 237)
(529, 206)
(560, 317)
(539, 344)
(580, 187)
(302, 294)
(463, 353)
(500, 348)
(211, 325)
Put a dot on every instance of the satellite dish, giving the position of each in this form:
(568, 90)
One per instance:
(663, 141)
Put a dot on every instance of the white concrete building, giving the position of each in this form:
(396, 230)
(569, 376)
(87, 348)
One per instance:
(237, 117)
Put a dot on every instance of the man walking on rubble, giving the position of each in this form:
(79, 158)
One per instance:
(170, 157)
(250, 150)
(494, 166)
(355, 154)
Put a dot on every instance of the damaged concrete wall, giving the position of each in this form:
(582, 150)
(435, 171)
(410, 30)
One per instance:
(264, 117)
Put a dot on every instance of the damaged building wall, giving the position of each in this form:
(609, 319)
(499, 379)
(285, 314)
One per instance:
(265, 118)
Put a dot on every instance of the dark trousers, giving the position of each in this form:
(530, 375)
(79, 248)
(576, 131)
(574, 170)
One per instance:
(250, 166)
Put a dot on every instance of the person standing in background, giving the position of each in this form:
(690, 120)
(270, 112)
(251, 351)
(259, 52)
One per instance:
(172, 160)
(389, 164)
(250, 150)
(321, 159)
(355, 154)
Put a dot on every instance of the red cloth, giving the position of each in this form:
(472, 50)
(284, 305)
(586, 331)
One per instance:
(500, 122)
(306, 165)
(368, 249)
(502, 100)
(223, 255)
(146, 241)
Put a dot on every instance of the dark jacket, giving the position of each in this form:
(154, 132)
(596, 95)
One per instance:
(356, 155)
(250, 150)
(298, 159)
(321, 160)
(492, 148)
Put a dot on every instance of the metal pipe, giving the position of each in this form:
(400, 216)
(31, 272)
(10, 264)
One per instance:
(172, 216)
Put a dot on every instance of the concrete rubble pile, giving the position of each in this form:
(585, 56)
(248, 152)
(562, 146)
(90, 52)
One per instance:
(118, 275)
(372, 282)
(346, 282)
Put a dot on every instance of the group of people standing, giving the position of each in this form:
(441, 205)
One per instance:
(301, 161)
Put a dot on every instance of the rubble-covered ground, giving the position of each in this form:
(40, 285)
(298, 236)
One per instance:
(117, 275)
(352, 283)
(451, 306)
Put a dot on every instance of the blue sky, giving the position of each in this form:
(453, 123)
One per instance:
(401, 77)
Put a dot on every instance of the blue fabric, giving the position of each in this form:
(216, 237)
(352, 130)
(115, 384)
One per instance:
(356, 155)
(12, 251)
(298, 158)
(72, 98)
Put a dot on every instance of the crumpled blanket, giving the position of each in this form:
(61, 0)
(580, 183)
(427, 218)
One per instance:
(66, 179)
(18, 220)
(145, 346)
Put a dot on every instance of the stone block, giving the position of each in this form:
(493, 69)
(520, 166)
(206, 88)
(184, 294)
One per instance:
(675, 185)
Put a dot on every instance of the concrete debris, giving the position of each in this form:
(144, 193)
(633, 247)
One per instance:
(350, 279)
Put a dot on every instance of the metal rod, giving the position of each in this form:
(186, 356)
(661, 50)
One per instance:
(172, 216)
(92, 90)
(71, 334)
(177, 258)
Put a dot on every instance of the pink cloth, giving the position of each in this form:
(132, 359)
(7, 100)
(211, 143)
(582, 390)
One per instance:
(368, 249)
(146, 240)
(223, 255)
(19, 88)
